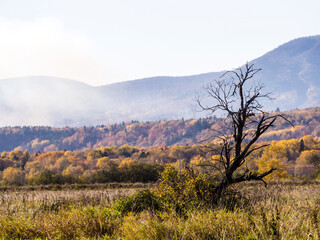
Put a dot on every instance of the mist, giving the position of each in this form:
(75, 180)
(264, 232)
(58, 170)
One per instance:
(49, 101)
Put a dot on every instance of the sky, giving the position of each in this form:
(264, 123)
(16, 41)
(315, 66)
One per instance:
(100, 42)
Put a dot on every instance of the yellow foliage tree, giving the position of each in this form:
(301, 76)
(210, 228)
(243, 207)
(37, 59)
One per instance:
(4, 154)
(103, 163)
(202, 164)
(274, 156)
(309, 142)
(13, 176)
(74, 171)
(309, 157)
(125, 163)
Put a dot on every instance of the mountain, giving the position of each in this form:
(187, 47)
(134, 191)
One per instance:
(291, 72)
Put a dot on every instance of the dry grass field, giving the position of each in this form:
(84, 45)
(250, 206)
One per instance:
(281, 211)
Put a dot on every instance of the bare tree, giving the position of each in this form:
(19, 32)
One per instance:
(244, 123)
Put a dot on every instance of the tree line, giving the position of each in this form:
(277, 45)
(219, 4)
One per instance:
(294, 158)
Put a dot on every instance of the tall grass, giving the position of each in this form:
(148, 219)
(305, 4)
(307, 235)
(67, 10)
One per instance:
(278, 212)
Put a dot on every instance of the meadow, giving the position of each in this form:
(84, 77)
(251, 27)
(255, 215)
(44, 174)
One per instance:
(284, 210)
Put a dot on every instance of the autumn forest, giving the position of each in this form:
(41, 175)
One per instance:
(137, 151)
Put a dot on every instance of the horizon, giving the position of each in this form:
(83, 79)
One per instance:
(125, 41)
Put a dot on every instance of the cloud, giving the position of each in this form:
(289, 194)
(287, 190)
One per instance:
(45, 47)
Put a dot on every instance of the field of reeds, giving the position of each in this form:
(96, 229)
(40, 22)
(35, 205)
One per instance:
(284, 210)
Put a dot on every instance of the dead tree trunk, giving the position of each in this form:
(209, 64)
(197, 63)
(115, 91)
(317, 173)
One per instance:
(244, 123)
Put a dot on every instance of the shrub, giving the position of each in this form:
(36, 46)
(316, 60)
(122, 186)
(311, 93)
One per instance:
(181, 191)
(47, 176)
(140, 201)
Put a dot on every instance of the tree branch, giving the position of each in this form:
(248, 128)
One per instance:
(250, 176)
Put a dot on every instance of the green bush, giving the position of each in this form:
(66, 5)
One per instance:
(140, 201)
(181, 191)
(47, 176)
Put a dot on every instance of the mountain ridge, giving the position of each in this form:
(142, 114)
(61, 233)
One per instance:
(291, 71)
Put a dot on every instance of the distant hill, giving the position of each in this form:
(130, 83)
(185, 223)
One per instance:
(290, 71)
(146, 134)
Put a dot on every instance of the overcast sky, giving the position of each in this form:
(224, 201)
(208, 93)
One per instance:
(101, 42)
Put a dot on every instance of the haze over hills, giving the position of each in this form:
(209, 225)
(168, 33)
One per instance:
(290, 71)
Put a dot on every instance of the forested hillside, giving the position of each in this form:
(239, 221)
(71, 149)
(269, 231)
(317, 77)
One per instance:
(145, 134)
